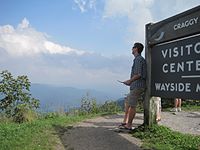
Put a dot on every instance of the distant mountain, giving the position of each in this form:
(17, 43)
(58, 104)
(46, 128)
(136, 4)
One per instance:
(120, 102)
(55, 97)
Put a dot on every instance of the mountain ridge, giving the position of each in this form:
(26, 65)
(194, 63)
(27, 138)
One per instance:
(54, 97)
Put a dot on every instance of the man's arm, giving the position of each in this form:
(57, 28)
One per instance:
(137, 72)
(134, 78)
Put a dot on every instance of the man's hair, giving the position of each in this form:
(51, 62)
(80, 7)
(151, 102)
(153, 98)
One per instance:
(139, 46)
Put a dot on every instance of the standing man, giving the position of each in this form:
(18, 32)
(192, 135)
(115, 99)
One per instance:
(137, 83)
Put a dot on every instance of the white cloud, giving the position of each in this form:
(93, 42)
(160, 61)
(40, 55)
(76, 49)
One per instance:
(142, 12)
(84, 5)
(114, 8)
(24, 50)
(137, 11)
(6, 29)
(25, 40)
(129, 8)
(82, 71)
(81, 4)
(92, 4)
(165, 9)
(24, 24)
(54, 48)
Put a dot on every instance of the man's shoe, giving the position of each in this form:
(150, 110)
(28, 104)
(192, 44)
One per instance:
(122, 124)
(179, 109)
(174, 110)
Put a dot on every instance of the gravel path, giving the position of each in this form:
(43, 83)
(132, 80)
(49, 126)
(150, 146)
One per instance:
(99, 133)
(185, 122)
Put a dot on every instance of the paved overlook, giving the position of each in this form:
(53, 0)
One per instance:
(99, 133)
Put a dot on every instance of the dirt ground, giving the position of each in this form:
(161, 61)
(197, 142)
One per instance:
(100, 133)
(185, 122)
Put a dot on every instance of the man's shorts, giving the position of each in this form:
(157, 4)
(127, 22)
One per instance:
(134, 96)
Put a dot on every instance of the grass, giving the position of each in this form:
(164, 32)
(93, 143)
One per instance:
(42, 134)
(37, 135)
(191, 108)
(162, 138)
(45, 133)
(185, 108)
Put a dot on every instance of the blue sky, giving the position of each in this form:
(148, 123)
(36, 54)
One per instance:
(78, 43)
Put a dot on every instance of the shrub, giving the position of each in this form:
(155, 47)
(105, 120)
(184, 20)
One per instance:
(16, 101)
(90, 106)
(110, 107)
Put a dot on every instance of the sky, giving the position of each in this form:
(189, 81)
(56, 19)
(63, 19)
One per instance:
(78, 43)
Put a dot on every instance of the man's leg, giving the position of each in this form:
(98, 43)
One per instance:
(179, 104)
(176, 102)
(131, 116)
(126, 112)
(175, 105)
(135, 95)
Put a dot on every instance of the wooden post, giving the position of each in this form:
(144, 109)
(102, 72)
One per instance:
(149, 105)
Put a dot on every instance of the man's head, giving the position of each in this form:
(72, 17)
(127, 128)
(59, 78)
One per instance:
(137, 47)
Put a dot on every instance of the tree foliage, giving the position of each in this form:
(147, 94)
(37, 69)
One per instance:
(89, 106)
(15, 97)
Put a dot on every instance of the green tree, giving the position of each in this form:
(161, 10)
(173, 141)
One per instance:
(15, 98)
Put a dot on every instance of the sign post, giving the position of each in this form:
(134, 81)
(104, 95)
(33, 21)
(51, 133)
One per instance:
(173, 60)
(149, 106)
